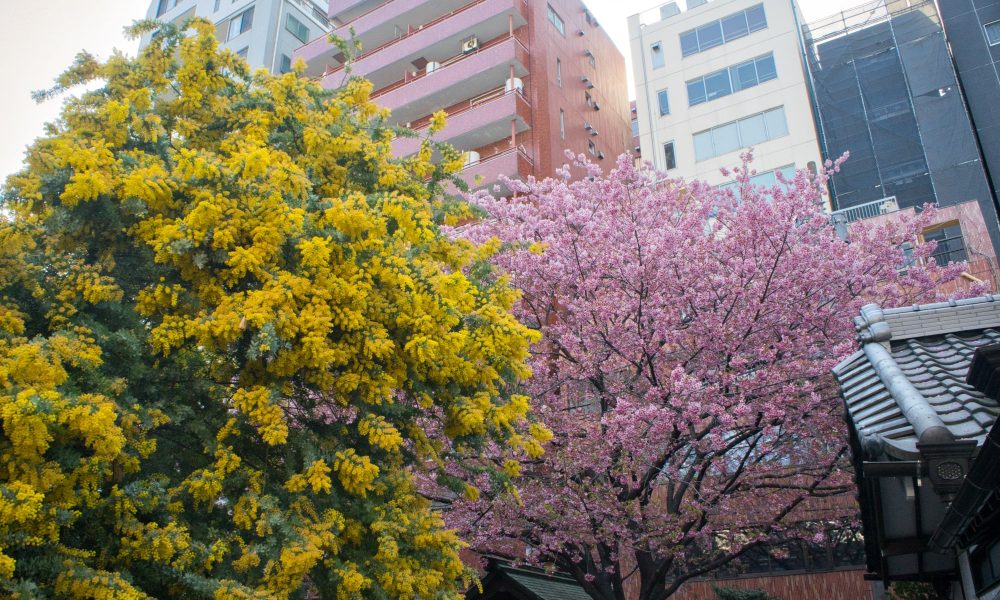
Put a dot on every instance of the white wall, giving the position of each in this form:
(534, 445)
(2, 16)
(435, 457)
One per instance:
(781, 37)
(266, 40)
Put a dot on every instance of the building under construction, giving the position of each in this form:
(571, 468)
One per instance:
(884, 87)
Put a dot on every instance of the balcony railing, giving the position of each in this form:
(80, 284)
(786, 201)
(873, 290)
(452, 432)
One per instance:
(868, 210)
(411, 32)
(447, 62)
(512, 162)
(470, 104)
(316, 13)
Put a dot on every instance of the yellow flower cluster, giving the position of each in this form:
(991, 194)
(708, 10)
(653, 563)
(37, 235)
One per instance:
(356, 473)
(225, 311)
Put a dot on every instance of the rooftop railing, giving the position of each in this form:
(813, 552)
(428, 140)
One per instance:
(316, 13)
(868, 210)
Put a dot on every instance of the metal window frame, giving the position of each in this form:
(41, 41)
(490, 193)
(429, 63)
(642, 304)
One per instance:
(986, 30)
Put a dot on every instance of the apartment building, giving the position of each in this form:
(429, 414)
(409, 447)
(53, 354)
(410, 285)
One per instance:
(264, 32)
(520, 80)
(886, 90)
(718, 78)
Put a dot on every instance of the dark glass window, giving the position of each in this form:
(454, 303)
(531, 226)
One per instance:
(556, 21)
(164, 6)
(744, 75)
(766, 70)
(689, 43)
(723, 30)
(668, 152)
(744, 132)
(733, 79)
(756, 20)
(297, 28)
(717, 84)
(696, 92)
(735, 26)
(286, 64)
(709, 36)
(241, 23)
(950, 244)
(663, 101)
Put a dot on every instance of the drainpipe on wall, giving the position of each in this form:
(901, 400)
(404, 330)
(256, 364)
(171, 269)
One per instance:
(274, 52)
(649, 113)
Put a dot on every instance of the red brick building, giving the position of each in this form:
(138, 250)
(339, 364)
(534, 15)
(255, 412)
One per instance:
(521, 80)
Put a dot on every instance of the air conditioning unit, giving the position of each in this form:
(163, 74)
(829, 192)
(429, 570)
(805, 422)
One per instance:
(588, 126)
(470, 45)
(513, 83)
(597, 106)
(432, 66)
(471, 158)
(587, 82)
(600, 155)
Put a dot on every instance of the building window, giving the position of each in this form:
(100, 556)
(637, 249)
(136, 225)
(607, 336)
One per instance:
(766, 179)
(562, 124)
(242, 52)
(950, 244)
(297, 28)
(732, 79)
(591, 148)
(742, 133)
(556, 21)
(590, 58)
(668, 154)
(993, 33)
(240, 23)
(656, 50)
(723, 30)
(635, 128)
(164, 6)
(663, 101)
(217, 3)
(558, 72)
(286, 64)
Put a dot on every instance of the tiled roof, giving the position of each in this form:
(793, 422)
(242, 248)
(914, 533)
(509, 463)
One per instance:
(548, 587)
(932, 345)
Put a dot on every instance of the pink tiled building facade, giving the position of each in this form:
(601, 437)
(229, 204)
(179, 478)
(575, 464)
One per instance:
(521, 80)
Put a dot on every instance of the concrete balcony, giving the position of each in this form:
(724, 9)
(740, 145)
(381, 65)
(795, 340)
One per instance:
(411, 52)
(343, 11)
(513, 163)
(484, 120)
(457, 79)
(381, 25)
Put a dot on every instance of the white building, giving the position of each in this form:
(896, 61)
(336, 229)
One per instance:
(264, 32)
(718, 78)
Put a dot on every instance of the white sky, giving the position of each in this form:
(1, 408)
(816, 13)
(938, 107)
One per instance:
(38, 40)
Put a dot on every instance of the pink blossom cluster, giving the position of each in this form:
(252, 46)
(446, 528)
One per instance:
(688, 336)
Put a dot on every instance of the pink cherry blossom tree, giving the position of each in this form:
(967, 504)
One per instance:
(688, 334)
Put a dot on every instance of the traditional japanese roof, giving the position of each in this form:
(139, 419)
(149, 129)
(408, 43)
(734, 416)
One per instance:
(509, 583)
(910, 374)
